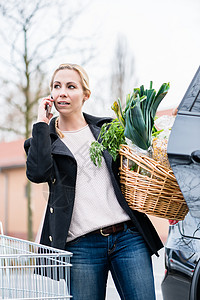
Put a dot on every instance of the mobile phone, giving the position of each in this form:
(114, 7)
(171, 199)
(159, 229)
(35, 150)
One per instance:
(48, 108)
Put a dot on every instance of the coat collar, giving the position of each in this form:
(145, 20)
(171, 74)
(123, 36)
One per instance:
(92, 121)
(95, 123)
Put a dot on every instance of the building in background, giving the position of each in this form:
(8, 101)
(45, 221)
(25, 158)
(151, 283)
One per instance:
(13, 201)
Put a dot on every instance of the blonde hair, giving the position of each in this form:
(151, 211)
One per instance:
(82, 73)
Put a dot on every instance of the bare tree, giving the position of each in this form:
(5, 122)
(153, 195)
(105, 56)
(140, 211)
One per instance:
(122, 71)
(32, 34)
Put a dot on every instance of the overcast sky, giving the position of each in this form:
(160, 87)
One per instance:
(163, 37)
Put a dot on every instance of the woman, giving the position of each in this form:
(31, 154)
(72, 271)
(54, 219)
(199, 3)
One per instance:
(86, 212)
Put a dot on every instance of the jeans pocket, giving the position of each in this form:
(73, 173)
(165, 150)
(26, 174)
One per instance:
(132, 230)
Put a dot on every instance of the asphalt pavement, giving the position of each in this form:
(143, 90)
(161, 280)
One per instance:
(159, 270)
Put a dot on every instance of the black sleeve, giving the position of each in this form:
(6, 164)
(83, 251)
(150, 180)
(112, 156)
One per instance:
(38, 149)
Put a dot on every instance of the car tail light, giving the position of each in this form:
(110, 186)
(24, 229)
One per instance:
(173, 222)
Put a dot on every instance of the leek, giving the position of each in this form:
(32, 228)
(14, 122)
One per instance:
(139, 114)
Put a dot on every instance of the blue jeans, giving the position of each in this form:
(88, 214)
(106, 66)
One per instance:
(127, 257)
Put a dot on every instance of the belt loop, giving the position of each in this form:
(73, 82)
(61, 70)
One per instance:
(125, 226)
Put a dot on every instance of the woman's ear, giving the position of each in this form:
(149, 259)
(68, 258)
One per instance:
(86, 96)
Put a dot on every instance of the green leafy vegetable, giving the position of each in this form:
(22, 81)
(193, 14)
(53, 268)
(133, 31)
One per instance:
(96, 153)
(136, 122)
(110, 138)
(139, 114)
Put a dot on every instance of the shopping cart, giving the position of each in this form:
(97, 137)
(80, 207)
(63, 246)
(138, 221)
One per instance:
(32, 271)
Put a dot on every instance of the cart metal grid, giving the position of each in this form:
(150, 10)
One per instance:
(32, 271)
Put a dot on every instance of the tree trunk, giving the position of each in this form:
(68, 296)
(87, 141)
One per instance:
(27, 125)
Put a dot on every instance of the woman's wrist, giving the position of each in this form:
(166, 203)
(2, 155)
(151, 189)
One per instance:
(39, 120)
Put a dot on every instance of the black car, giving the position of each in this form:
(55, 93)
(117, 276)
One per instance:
(182, 252)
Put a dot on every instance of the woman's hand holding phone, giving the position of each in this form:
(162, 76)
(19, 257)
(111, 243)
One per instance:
(44, 110)
(48, 109)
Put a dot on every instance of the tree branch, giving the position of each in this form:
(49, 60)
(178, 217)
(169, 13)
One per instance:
(67, 21)
(11, 129)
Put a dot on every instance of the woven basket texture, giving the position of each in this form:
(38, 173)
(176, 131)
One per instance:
(150, 187)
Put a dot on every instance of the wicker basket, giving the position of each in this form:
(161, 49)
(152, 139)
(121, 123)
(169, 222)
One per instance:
(151, 188)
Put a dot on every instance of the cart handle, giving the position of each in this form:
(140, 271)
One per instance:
(1, 228)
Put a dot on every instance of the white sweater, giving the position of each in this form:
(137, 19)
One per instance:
(95, 204)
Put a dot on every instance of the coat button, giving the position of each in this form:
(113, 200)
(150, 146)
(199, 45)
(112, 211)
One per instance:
(54, 180)
(51, 210)
(50, 238)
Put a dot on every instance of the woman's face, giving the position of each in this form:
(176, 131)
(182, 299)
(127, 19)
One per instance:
(67, 92)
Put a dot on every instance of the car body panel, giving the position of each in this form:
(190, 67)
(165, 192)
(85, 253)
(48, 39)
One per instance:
(182, 252)
(175, 288)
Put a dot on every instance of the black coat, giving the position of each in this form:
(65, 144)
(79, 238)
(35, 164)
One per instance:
(49, 160)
